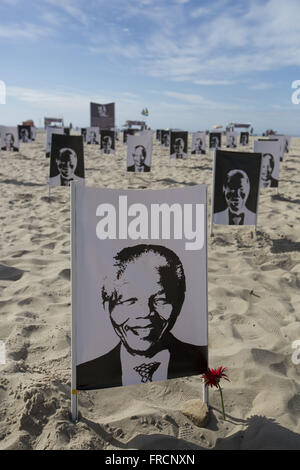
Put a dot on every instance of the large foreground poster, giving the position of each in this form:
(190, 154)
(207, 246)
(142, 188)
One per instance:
(236, 185)
(140, 285)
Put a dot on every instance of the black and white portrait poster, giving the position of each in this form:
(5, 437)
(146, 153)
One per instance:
(287, 143)
(165, 138)
(236, 185)
(117, 133)
(198, 143)
(215, 140)
(93, 136)
(244, 138)
(179, 144)
(67, 162)
(270, 164)
(140, 285)
(83, 133)
(9, 139)
(231, 139)
(33, 132)
(103, 115)
(282, 140)
(107, 141)
(24, 134)
(49, 132)
(139, 153)
(127, 132)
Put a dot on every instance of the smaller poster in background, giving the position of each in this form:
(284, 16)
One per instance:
(107, 142)
(198, 143)
(24, 134)
(179, 144)
(165, 138)
(83, 133)
(287, 143)
(271, 151)
(9, 139)
(126, 133)
(67, 161)
(139, 153)
(33, 132)
(102, 115)
(244, 138)
(215, 140)
(236, 187)
(283, 143)
(231, 139)
(157, 135)
(92, 135)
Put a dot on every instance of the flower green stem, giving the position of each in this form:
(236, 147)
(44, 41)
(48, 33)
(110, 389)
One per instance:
(222, 401)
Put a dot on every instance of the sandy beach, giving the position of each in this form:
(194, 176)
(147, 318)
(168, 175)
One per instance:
(253, 303)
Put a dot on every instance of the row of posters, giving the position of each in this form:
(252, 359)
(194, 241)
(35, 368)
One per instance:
(106, 137)
(237, 175)
(11, 136)
(148, 263)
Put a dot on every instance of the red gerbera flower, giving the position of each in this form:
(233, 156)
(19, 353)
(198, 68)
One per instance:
(213, 376)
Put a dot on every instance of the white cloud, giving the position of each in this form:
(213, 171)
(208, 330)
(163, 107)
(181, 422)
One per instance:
(71, 8)
(23, 31)
(261, 86)
(214, 82)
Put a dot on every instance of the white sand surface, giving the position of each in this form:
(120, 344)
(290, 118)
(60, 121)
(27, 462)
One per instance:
(254, 300)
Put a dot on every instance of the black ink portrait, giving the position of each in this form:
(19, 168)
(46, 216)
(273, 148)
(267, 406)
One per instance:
(267, 168)
(66, 162)
(142, 319)
(214, 140)
(236, 188)
(178, 148)
(107, 142)
(139, 156)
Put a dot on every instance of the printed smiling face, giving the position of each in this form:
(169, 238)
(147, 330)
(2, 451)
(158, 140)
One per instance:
(236, 191)
(139, 155)
(267, 167)
(107, 144)
(9, 140)
(198, 144)
(66, 163)
(179, 146)
(144, 304)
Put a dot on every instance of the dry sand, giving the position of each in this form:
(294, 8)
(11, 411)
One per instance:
(249, 333)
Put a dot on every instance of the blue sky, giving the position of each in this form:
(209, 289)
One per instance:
(193, 63)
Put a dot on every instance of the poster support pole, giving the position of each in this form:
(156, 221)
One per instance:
(74, 396)
(205, 394)
(49, 192)
(212, 196)
(204, 387)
